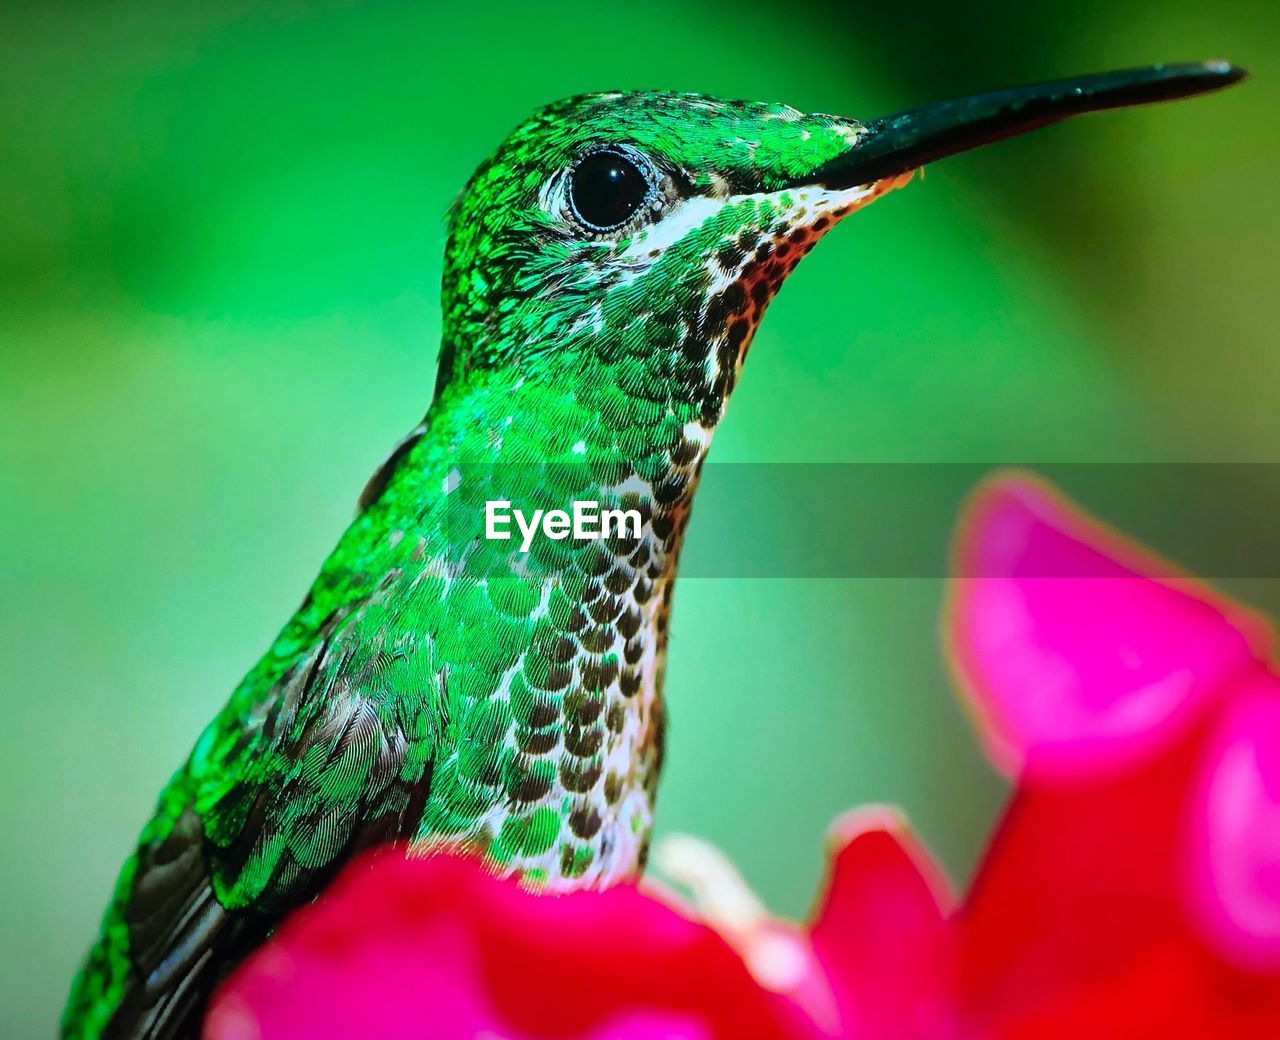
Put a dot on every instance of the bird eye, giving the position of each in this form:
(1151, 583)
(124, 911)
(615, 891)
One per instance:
(606, 188)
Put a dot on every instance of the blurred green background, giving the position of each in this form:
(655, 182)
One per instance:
(220, 238)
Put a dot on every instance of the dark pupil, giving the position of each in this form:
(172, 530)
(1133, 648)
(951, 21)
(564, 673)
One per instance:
(606, 189)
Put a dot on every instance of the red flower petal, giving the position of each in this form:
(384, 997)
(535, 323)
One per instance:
(412, 948)
(1078, 651)
(880, 930)
(1235, 833)
(1175, 993)
(1079, 886)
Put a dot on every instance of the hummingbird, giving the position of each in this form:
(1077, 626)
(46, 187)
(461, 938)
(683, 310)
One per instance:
(604, 273)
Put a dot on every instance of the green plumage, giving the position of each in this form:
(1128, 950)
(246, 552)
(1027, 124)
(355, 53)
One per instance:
(438, 686)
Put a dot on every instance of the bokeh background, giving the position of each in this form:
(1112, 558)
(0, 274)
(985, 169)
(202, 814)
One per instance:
(220, 238)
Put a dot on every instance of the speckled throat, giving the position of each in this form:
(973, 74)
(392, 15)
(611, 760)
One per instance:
(571, 743)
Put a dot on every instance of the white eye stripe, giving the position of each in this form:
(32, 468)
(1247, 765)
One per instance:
(689, 214)
(674, 225)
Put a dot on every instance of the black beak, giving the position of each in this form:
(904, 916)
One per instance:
(910, 139)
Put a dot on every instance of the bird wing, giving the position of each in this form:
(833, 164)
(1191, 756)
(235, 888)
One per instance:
(337, 760)
(336, 757)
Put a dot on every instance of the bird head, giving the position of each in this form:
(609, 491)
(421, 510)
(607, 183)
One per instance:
(627, 243)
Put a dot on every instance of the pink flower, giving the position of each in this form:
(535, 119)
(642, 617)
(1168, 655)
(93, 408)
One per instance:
(1132, 888)
(417, 948)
